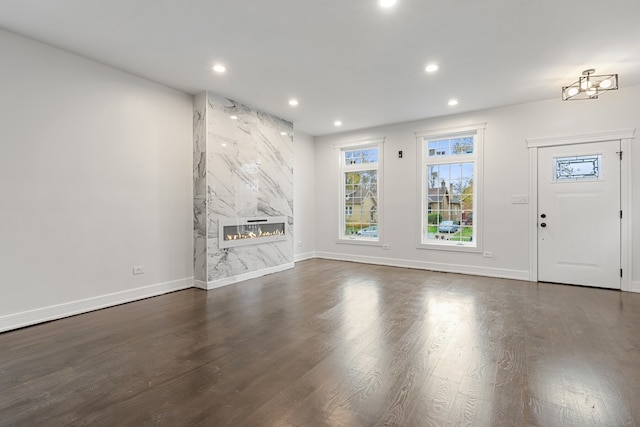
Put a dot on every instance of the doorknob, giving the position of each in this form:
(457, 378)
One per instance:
(543, 216)
(543, 225)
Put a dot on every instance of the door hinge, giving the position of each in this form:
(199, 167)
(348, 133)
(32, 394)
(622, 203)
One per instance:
(620, 272)
(620, 153)
(621, 214)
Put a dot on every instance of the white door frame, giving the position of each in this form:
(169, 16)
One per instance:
(625, 137)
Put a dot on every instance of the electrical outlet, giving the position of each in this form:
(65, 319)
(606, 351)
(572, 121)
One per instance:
(138, 269)
(487, 254)
(386, 247)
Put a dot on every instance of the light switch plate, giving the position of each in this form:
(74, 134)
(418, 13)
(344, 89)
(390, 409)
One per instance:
(519, 199)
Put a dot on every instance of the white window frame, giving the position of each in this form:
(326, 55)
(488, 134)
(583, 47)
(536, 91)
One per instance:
(343, 168)
(424, 161)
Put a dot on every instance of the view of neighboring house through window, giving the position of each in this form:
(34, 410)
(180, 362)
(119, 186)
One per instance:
(449, 193)
(359, 191)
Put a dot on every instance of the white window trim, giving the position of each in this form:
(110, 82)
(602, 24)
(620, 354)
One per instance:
(374, 142)
(478, 200)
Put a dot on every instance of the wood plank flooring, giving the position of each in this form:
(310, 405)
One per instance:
(333, 343)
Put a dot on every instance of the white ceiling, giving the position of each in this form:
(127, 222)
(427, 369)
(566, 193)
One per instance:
(348, 59)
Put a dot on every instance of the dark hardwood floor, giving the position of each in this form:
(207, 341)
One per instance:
(337, 344)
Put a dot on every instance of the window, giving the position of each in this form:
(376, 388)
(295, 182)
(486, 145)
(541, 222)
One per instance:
(360, 178)
(577, 168)
(450, 188)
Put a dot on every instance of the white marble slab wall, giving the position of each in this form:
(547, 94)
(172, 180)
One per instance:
(249, 173)
(199, 189)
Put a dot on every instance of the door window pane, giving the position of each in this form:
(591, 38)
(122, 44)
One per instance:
(577, 168)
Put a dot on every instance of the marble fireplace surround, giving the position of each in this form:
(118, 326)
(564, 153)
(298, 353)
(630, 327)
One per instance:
(242, 169)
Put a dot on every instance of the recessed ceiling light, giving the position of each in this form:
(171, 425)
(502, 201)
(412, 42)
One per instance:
(453, 102)
(293, 102)
(431, 68)
(283, 133)
(386, 3)
(219, 68)
(234, 117)
(337, 123)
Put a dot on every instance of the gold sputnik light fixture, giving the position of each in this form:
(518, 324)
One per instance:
(590, 86)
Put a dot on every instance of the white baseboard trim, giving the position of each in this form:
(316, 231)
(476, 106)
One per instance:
(502, 273)
(635, 286)
(242, 277)
(200, 284)
(304, 257)
(45, 314)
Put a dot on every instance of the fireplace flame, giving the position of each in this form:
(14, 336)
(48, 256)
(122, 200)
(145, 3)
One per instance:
(252, 235)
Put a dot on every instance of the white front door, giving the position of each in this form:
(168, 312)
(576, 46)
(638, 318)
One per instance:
(579, 214)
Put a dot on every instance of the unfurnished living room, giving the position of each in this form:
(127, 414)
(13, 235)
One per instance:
(340, 213)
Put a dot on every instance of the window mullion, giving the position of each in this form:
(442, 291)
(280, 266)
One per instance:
(360, 168)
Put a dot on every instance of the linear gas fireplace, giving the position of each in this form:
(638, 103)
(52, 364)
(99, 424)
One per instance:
(251, 231)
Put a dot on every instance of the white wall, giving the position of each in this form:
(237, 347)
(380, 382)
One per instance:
(304, 197)
(95, 178)
(506, 173)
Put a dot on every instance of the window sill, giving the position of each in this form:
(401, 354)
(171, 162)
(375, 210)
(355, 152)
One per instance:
(449, 247)
(358, 241)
